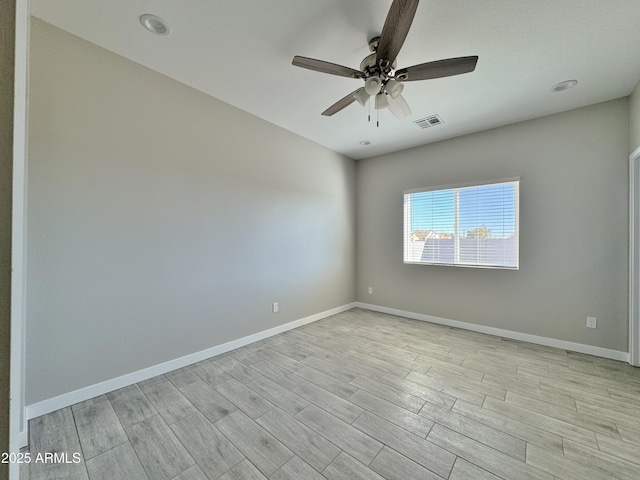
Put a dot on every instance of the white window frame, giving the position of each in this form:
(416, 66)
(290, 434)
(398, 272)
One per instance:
(407, 223)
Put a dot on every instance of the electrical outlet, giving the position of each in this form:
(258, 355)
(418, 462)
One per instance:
(591, 322)
(370, 290)
(275, 307)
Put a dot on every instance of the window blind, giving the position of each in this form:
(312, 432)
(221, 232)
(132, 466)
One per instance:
(468, 225)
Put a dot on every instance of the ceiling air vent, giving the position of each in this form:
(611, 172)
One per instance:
(427, 122)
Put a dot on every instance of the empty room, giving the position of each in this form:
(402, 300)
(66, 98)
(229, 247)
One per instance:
(349, 239)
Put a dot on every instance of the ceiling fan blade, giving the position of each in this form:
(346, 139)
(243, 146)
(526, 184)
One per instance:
(340, 104)
(399, 106)
(437, 69)
(395, 30)
(326, 67)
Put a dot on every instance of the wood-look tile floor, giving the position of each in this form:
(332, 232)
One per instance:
(360, 395)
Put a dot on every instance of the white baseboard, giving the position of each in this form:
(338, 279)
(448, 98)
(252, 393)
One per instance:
(71, 398)
(499, 332)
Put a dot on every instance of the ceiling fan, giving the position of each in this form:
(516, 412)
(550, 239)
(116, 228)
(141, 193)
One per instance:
(378, 70)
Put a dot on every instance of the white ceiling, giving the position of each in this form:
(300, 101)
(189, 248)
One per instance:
(241, 51)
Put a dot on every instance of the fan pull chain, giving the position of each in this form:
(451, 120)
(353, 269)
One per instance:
(377, 118)
(369, 105)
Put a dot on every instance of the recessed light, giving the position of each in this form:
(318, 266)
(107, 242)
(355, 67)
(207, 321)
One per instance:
(566, 85)
(154, 24)
(365, 142)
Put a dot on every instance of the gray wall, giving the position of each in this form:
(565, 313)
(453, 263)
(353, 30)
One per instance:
(635, 119)
(7, 39)
(573, 227)
(162, 222)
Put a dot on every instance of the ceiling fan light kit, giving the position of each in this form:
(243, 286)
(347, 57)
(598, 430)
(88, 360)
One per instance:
(399, 107)
(361, 96)
(373, 85)
(381, 101)
(394, 88)
(378, 70)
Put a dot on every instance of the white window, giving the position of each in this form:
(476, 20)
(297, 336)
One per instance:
(463, 225)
